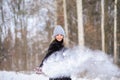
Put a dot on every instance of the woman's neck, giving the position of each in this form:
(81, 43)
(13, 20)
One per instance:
(59, 41)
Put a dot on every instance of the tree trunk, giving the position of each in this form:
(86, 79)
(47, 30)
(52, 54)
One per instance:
(80, 23)
(65, 23)
(115, 33)
(102, 26)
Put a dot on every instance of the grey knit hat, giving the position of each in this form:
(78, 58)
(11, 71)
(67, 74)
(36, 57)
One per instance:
(58, 30)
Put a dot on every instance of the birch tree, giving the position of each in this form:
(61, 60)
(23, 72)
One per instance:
(65, 22)
(102, 26)
(115, 32)
(80, 23)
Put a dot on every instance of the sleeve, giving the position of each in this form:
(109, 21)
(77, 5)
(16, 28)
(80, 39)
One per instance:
(52, 48)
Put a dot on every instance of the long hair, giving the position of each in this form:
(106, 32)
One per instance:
(53, 38)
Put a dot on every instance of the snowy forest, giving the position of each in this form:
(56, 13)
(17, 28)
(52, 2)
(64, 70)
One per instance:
(26, 28)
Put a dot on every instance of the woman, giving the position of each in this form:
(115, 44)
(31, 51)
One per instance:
(56, 45)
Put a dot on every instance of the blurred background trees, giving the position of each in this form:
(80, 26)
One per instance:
(26, 28)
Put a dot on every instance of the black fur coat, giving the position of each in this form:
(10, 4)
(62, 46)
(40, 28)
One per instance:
(54, 46)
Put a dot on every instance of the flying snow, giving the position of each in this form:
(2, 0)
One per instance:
(80, 60)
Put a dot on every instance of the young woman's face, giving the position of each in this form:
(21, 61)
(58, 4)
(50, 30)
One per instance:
(59, 37)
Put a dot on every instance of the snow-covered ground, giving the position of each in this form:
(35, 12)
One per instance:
(11, 75)
(79, 63)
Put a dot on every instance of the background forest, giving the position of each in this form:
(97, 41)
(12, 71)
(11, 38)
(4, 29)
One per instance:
(26, 28)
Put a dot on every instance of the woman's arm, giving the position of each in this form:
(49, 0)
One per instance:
(54, 46)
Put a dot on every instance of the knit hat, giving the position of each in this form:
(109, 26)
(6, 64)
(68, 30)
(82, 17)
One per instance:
(58, 30)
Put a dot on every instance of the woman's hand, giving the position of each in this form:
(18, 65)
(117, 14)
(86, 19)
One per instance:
(38, 70)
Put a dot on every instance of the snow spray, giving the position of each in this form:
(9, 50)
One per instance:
(78, 60)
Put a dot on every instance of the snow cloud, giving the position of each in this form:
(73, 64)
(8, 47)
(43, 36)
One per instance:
(79, 60)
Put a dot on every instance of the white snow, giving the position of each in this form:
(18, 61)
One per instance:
(11, 75)
(79, 63)
(5, 75)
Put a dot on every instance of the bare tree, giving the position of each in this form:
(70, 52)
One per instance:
(65, 22)
(115, 33)
(80, 23)
(102, 26)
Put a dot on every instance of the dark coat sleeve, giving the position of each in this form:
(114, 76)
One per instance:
(54, 46)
